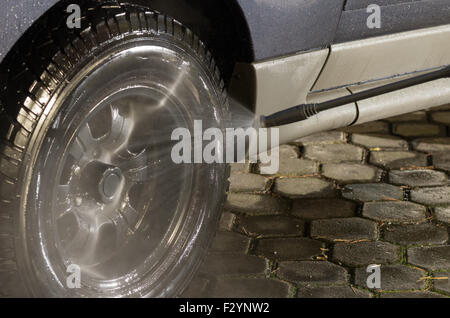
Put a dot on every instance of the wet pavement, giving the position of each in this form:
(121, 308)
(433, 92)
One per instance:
(377, 193)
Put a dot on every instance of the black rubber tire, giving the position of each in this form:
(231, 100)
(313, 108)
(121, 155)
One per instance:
(29, 80)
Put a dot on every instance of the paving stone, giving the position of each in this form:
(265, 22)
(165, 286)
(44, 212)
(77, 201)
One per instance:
(419, 130)
(348, 229)
(249, 288)
(416, 234)
(278, 235)
(228, 242)
(430, 257)
(288, 151)
(372, 192)
(398, 159)
(441, 117)
(296, 167)
(312, 272)
(442, 214)
(431, 196)
(366, 253)
(394, 277)
(227, 221)
(371, 127)
(328, 137)
(379, 141)
(233, 264)
(272, 226)
(312, 209)
(332, 292)
(310, 187)
(394, 211)
(333, 153)
(256, 204)
(289, 249)
(432, 144)
(412, 294)
(418, 178)
(350, 173)
(240, 167)
(247, 182)
(416, 116)
(441, 160)
(442, 284)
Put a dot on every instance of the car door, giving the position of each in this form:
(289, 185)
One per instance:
(396, 16)
(409, 36)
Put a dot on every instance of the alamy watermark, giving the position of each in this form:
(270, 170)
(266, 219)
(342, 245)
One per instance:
(74, 279)
(374, 279)
(231, 145)
(74, 19)
(374, 19)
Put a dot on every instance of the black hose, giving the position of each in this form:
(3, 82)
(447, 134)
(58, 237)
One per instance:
(305, 111)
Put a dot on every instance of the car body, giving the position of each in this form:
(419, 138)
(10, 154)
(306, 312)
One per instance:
(275, 28)
(308, 46)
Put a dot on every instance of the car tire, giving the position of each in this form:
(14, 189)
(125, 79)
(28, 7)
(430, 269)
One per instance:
(85, 186)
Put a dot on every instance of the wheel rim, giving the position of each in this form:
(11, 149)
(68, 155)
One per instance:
(99, 214)
(98, 208)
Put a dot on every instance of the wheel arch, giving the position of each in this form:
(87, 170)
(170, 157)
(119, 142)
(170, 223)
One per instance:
(220, 24)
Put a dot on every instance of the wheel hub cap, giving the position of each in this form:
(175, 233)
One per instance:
(110, 179)
(110, 183)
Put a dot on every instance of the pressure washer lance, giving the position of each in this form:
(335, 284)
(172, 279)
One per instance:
(305, 111)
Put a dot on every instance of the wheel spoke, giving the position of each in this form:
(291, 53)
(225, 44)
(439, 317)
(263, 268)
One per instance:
(136, 169)
(130, 216)
(74, 230)
(92, 236)
(86, 138)
(139, 174)
(77, 149)
(134, 162)
(83, 144)
(120, 132)
(103, 242)
(153, 169)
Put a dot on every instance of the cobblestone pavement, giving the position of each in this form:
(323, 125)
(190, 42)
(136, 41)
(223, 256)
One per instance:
(378, 193)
